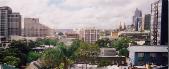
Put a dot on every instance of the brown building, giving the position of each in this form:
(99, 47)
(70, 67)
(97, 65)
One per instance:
(114, 35)
(32, 28)
(72, 35)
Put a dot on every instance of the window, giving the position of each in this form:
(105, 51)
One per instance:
(152, 55)
(165, 54)
(140, 54)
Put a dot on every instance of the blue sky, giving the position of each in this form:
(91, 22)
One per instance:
(105, 14)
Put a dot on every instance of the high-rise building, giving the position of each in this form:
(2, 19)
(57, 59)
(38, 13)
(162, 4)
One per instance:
(10, 23)
(137, 20)
(159, 22)
(32, 28)
(15, 24)
(147, 21)
(89, 35)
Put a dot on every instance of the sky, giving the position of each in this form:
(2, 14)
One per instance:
(64, 14)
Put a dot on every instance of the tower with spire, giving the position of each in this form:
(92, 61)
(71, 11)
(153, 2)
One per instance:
(124, 28)
(120, 27)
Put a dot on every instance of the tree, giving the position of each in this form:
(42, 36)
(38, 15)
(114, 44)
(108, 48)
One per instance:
(104, 63)
(1, 54)
(60, 34)
(69, 52)
(47, 41)
(19, 49)
(60, 55)
(66, 55)
(87, 52)
(123, 52)
(51, 58)
(32, 56)
(105, 42)
(11, 60)
(121, 45)
(21, 45)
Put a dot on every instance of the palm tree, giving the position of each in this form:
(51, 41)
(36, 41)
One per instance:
(69, 52)
(60, 54)
(51, 58)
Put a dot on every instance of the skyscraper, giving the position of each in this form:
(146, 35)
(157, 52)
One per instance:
(147, 21)
(159, 22)
(137, 20)
(10, 23)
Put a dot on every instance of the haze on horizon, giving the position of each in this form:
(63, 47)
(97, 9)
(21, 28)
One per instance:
(65, 14)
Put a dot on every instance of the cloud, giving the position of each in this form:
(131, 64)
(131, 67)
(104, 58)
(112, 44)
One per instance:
(74, 13)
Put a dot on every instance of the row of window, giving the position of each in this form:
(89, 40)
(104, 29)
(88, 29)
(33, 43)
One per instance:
(151, 54)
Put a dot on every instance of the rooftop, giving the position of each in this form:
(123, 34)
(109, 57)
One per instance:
(161, 48)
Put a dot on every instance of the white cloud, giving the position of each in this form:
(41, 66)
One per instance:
(73, 13)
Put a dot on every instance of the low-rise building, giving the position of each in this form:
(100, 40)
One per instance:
(114, 35)
(142, 55)
(107, 52)
(72, 35)
(139, 37)
(110, 54)
(106, 37)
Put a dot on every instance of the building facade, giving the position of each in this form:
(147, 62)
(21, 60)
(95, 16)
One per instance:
(159, 22)
(137, 20)
(139, 37)
(142, 55)
(32, 28)
(114, 35)
(147, 21)
(89, 35)
(72, 35)
(15, 24)
(108, 52)
(130, 28)
(10, 23)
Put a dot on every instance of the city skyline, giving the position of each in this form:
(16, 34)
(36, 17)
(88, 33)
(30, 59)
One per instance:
(60, 14)
(84, 34)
